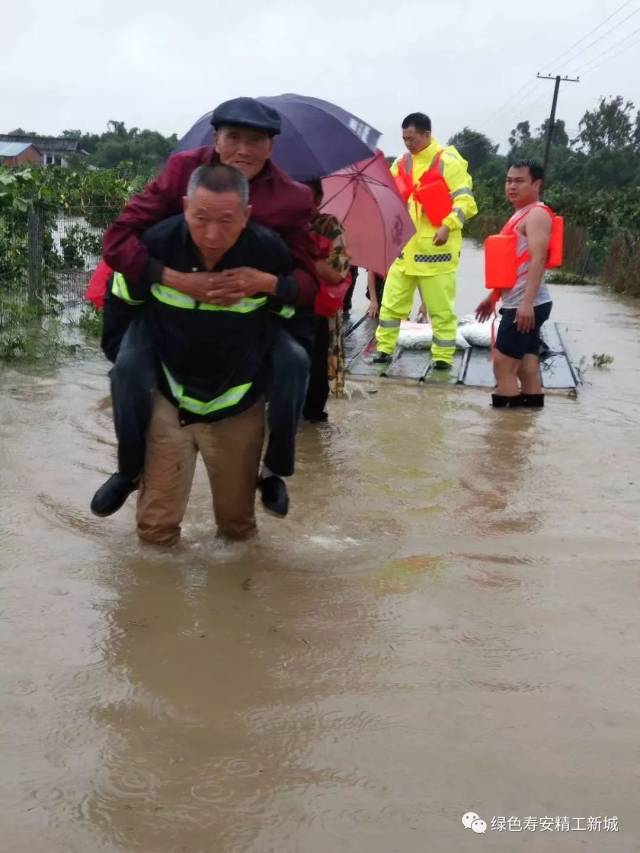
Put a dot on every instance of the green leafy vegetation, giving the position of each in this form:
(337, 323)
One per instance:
(51, 223)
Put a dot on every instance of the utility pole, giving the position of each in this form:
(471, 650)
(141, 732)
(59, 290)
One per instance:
(552, 117)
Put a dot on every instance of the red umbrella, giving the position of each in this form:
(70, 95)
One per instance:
(365, 199)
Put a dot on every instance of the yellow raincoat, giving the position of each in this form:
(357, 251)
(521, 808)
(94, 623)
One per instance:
(420, 256)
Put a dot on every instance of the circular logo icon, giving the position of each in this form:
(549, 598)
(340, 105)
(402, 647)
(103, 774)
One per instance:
(468, 819)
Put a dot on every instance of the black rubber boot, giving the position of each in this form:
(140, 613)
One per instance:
(499, 401)
(275, 498)
(111, 495)
(533, 401)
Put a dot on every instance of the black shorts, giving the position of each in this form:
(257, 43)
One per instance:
(515, 344)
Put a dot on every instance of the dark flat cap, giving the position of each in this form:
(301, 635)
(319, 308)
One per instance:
(247, 112)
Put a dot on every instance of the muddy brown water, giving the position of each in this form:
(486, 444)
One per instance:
(446, 622)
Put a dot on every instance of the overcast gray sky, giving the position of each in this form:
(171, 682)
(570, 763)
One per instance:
(69, 64)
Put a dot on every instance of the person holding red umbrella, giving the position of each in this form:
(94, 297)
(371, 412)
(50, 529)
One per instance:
(334, 271)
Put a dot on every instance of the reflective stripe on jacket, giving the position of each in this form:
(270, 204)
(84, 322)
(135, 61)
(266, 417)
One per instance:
(229, 398)
(214, 357)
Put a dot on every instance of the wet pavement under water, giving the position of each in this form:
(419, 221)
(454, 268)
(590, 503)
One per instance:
(446, 622)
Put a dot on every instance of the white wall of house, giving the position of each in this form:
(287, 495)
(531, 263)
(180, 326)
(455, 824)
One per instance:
(54, 160)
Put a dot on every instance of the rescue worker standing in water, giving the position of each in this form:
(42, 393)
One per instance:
(526, 305)
(429, 261)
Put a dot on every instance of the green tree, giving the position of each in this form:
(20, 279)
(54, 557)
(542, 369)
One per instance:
(606, 169)
(636, 133)
(476, 148)
(118, 128)
(520, 134)
(566, 164)
(134, 150)
(609, 126)
(559, 135)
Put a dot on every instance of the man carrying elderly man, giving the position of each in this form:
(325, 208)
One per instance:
(212, 358)
(245, 129)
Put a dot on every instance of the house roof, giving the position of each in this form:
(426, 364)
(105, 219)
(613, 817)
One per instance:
(14, 149)
(45, 144)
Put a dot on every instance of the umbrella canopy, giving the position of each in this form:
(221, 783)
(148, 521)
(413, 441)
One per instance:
(317, 137)
(365, 199)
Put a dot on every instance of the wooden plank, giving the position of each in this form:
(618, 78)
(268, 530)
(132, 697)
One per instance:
(362, 364)
(409, 364)
(445, 377)
(479, 372)
(466, 355)
(357, 338)
(351, 323)
(471, 367)
(575, 370)
(556, 371)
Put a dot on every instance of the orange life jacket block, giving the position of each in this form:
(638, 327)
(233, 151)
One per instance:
(501, 259)
(431, 192)
(404, 181)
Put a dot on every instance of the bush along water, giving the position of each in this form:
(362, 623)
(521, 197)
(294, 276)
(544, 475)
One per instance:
(51, 224)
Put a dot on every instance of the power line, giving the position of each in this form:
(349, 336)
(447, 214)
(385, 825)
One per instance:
(523, 107)
(496, 114)
(511, 98)
(524, 99)
(590, 67)
(590, 33)
(615, 27)
(594, 63)
(533, 104)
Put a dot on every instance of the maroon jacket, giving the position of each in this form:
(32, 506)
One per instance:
(278, 202)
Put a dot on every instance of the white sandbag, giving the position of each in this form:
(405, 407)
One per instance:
(477, 334)
(461, 341)
(466, 319)
(420, 336)
(415, 335)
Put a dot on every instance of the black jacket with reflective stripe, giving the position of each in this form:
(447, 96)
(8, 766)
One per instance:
(208, 352)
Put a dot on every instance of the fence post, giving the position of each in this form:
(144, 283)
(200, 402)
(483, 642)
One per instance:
(35, 243)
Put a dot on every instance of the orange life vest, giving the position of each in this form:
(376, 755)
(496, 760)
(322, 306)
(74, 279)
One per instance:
(431, 192)
(501, 258)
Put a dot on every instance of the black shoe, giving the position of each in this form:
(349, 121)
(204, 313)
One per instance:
(533, 401)
(275, 498)
(382, 358)
(111, 495)
(499, 401)
(441, 365)
(316, 417)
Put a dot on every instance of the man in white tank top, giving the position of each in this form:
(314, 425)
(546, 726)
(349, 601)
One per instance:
(527, 305)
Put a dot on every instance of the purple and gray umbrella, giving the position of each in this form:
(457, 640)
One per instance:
(317, 137)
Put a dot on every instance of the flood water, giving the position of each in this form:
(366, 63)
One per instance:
(446, 622)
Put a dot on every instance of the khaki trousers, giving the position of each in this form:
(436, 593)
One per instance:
(230, 449)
